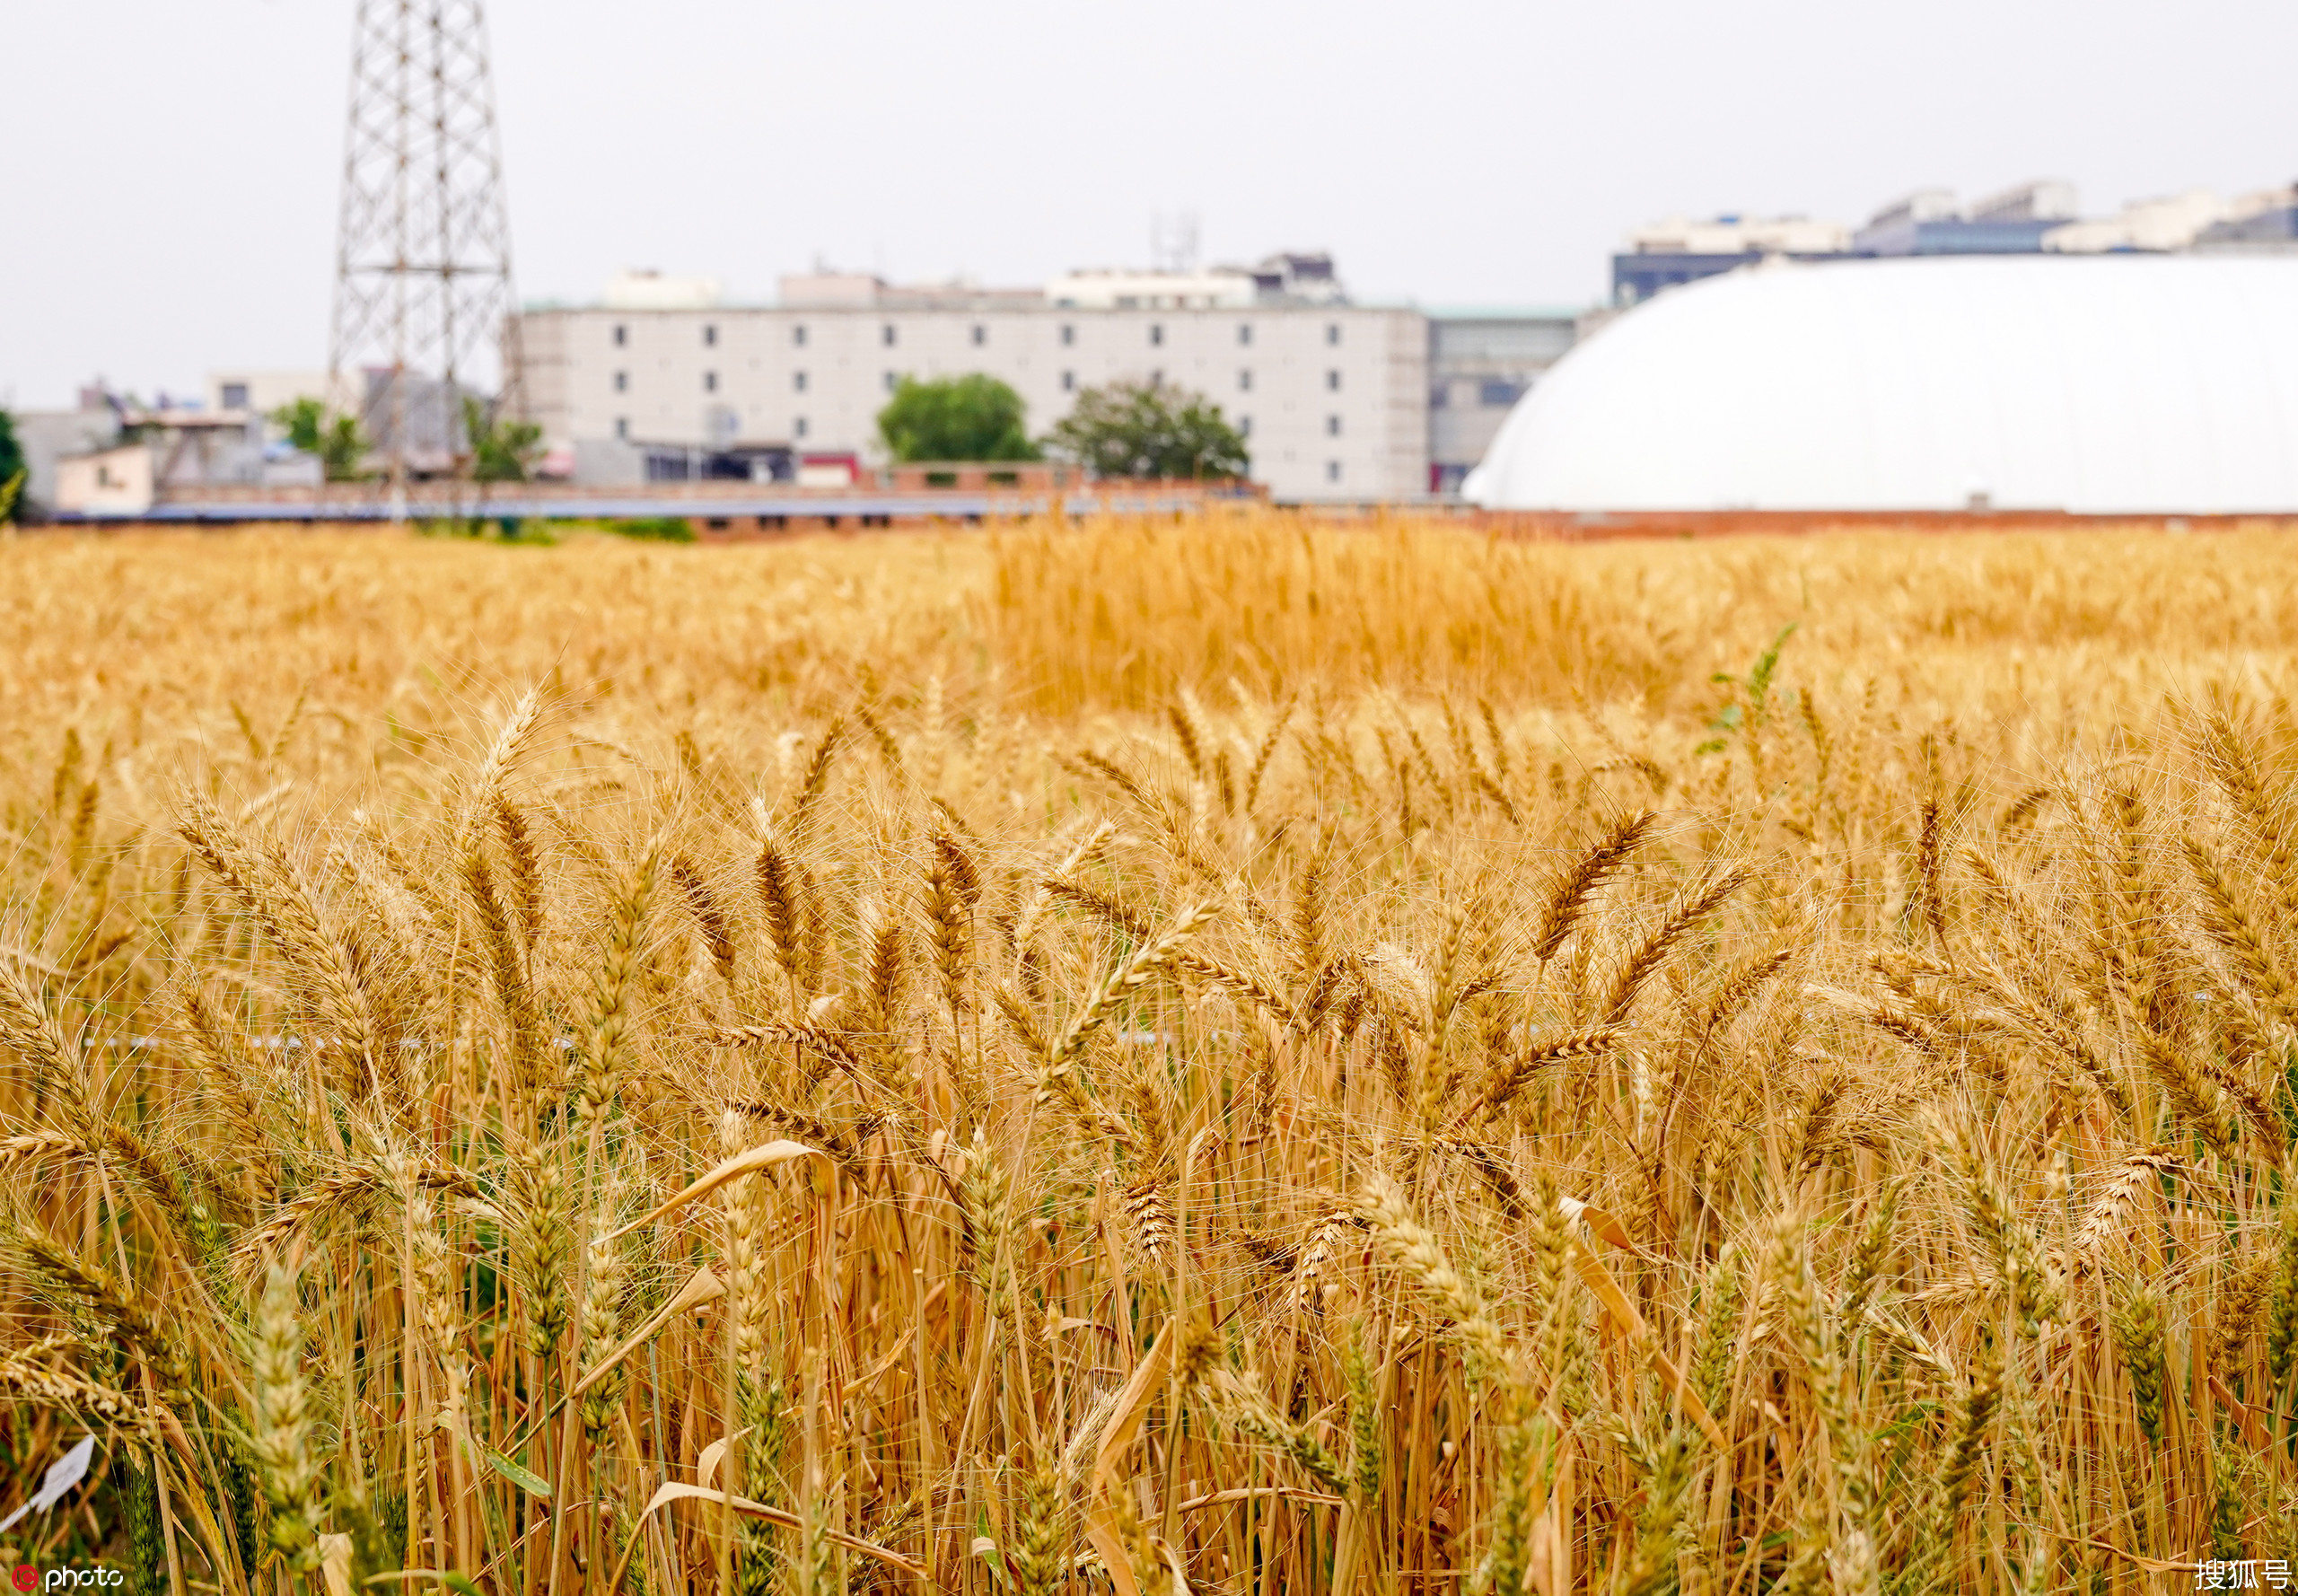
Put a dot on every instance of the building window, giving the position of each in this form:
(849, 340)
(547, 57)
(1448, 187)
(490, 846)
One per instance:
(1332, 332)
(622, 426)
(1332, 426)
(621, 335)
(1156, 332)
(1332, 471)
(1440, 395)
(1244, 427)
(886, 335)
(710, 335)
(1496, 393)
(798, 427)
(235, 396)
(798, 381)
(1245, 381)
(1157, 378)
(798, 335)
(1244, 332)
(710, 382)
(1068, 382)
(1068, 335)
(980, 335)
(622, 381)
(893, 382)
(1332, 382)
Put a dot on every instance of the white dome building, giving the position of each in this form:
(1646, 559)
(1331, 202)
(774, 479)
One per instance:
(2126, 384)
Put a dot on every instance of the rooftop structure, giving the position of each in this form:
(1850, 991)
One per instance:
(825, 289)
(2043, 214)
(2028, 218)
(1282, 279)
(1215, 288)
(262, 390)
(1670, 253)
(1740, 235)
(2196, 219)
(2044, 199)
(1928, 222)
(649, 290)
(2265, 221)
(2153, 225)
(2125, 384)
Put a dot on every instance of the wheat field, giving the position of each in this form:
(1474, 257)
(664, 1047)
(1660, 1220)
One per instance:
(1228, 1056)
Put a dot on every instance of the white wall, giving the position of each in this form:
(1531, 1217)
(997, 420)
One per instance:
(116, 482)
(268, 391)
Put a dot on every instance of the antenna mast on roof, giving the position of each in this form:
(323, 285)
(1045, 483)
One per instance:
(423, 250)
(1172, 245)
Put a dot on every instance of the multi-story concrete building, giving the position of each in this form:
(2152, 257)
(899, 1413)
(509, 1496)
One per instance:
(1332, 398)
(1480, 363)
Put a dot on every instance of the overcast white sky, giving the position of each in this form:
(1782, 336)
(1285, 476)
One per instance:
(172, 164)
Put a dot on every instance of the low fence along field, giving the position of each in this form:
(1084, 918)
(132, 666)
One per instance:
(1147, 1057)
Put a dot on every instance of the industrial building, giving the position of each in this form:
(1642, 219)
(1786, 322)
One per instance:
(2038, 218)
(2107, 383)
(1331, 396)
(1480, 363)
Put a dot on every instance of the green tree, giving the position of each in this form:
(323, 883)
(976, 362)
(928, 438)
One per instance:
(12, 468)
(337, 440)
(1148, 429)
(502, 451)
(970, 418)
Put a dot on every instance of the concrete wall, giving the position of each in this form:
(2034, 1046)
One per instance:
(264, 391)
(1333, 399)
(1480, 363)
(117, 482)
(47, 436)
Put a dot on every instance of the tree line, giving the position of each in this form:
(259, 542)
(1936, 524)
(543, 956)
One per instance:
(1150, 429)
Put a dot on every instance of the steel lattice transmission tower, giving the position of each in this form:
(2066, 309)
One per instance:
(423, 288)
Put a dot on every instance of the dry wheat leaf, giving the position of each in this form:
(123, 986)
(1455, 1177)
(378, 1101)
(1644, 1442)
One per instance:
(741, 1163)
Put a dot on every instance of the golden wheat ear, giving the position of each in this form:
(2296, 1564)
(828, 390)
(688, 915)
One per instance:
(1576, 886)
